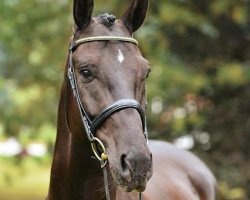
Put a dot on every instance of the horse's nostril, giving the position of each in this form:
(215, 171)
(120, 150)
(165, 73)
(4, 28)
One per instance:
(124, 163)
(125, 168)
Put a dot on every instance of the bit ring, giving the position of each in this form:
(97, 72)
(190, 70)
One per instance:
(103, 156)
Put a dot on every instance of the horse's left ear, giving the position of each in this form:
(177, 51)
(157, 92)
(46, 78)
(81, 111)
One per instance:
(82, 10)
(135, 14)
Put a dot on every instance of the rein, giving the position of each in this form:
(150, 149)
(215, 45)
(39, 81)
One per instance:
(91, 126)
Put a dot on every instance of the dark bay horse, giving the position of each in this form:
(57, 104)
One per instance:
(103, 102)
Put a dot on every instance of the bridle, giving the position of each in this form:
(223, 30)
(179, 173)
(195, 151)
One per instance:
(91, 126)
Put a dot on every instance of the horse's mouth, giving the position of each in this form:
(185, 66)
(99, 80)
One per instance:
(136, 184)
(134, 188)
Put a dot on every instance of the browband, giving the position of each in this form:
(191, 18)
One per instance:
(103, 38)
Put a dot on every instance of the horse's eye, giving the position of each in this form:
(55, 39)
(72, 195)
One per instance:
(85, 73)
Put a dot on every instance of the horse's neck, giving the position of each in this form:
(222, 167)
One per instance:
(74, 174)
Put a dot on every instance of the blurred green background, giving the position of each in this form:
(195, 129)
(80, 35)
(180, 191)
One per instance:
(198, 91)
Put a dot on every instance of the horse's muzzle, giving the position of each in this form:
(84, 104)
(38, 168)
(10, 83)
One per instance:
(134, 171)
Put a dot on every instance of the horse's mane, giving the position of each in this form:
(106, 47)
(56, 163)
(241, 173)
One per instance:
(107, 19)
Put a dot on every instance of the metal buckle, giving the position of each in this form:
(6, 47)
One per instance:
(88, 129)
(71, 79)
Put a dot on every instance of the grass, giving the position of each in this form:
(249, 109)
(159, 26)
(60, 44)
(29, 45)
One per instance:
(25, 179)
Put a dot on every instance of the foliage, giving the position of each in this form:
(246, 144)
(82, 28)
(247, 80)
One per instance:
(199, 85)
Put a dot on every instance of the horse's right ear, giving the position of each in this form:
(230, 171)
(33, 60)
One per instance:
(135, 14)
(82, 11)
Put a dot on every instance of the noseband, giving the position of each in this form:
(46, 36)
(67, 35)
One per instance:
(91, 126)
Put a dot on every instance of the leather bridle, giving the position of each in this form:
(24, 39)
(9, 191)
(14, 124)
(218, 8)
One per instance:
(91, 126)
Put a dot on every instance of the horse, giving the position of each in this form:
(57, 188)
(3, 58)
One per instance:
(102, 105)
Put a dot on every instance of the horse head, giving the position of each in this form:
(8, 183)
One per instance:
(108, 71)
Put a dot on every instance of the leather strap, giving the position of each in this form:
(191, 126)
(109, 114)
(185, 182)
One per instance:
(103, 38)
(115, 107)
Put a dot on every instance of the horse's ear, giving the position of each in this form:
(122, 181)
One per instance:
(82, 11)
(135, 14)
